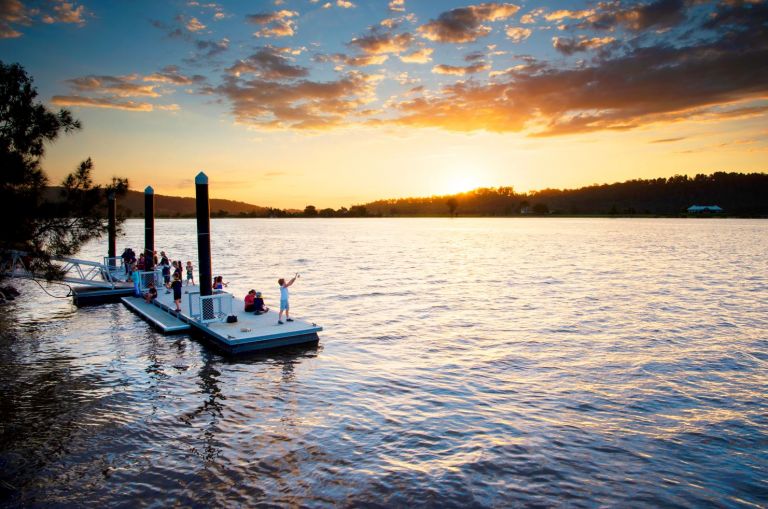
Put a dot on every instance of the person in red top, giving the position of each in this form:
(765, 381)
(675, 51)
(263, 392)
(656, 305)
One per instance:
(249, 301)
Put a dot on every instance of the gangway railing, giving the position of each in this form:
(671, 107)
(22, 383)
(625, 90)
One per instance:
(115, 266)
(145, 277)
(73, 270)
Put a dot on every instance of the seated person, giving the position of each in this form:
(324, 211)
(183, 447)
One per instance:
(151, 293)
(258, 304)
(219, 284)
(249, 301)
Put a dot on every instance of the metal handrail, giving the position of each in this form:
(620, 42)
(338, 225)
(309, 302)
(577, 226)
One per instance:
(210, 308)
(74, 270)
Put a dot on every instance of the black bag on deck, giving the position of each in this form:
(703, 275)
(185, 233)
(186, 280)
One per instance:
(231, 319)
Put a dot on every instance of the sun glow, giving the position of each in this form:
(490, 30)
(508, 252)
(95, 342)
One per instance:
(459, 183)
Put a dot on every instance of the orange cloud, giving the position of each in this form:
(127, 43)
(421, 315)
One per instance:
(353, 61)
(14, 13)
(381, 43)
(299, 105)
(120, 86)
(465, 24)
(194, 25)
(268, 63)
(397, 5)
(518, 34)
(568, 46)
(459, 70)
(568, 14)
(100, 102)
(659, 14)
(170, 74)
(647, 85)
(275, 24)
(420, 56)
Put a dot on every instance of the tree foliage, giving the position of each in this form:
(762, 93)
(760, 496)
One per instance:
(739, 194)
(35, 220)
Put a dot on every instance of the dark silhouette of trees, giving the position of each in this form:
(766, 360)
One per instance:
(358, 211)
(310, 211)
(739, 194)
(452, 204)
(42, 223)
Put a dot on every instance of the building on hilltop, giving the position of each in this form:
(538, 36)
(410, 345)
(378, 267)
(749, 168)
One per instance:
(702, 209)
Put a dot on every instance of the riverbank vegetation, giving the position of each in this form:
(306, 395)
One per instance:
(35, 221)
(738, 194)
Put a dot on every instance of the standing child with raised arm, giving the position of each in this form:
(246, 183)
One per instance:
(284, 299)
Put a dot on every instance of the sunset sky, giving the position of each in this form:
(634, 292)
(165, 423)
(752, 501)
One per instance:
(291, 102)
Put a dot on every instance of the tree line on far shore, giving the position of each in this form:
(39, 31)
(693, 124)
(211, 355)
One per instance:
(738, 194)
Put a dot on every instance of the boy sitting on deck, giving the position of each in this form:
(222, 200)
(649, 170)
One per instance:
(151, 293)
(255, 303)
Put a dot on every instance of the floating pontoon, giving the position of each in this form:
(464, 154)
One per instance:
(207, 315)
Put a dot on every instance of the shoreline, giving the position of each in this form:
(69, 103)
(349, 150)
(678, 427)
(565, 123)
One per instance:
(478, 216)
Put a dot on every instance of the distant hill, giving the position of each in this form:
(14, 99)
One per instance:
(175, 206)
(132, 205)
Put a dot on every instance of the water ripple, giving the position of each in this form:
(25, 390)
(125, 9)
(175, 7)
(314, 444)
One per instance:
(464, 363)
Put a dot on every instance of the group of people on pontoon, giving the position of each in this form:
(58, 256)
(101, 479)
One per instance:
(172, 272)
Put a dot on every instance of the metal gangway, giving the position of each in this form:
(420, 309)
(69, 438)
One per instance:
(109, 274)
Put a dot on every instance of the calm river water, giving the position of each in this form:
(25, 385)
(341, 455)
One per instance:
(464, 362)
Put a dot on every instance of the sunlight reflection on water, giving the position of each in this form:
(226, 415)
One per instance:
(464, 362)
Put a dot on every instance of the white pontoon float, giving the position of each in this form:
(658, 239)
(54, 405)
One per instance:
(207, 315)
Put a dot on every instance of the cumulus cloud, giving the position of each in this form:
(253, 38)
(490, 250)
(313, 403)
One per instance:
(658, 14)
(377, 43)
(357, 61)
(209, 49)
(345, 4)
(648, 84)
(104, 91)
(393, 23)
(302, 104)
(100, 102)
(194, 25)
(530, 17)
(569, 46)
(170, 74)
(562, 14)
(518, 34)
(274, 24)
(460, 70)
(270, 64)
(420, 56)
(397, 5)
(465, 24)
(120, 86)
(14, 14)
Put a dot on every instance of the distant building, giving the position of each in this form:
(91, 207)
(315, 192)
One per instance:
(701, 209)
